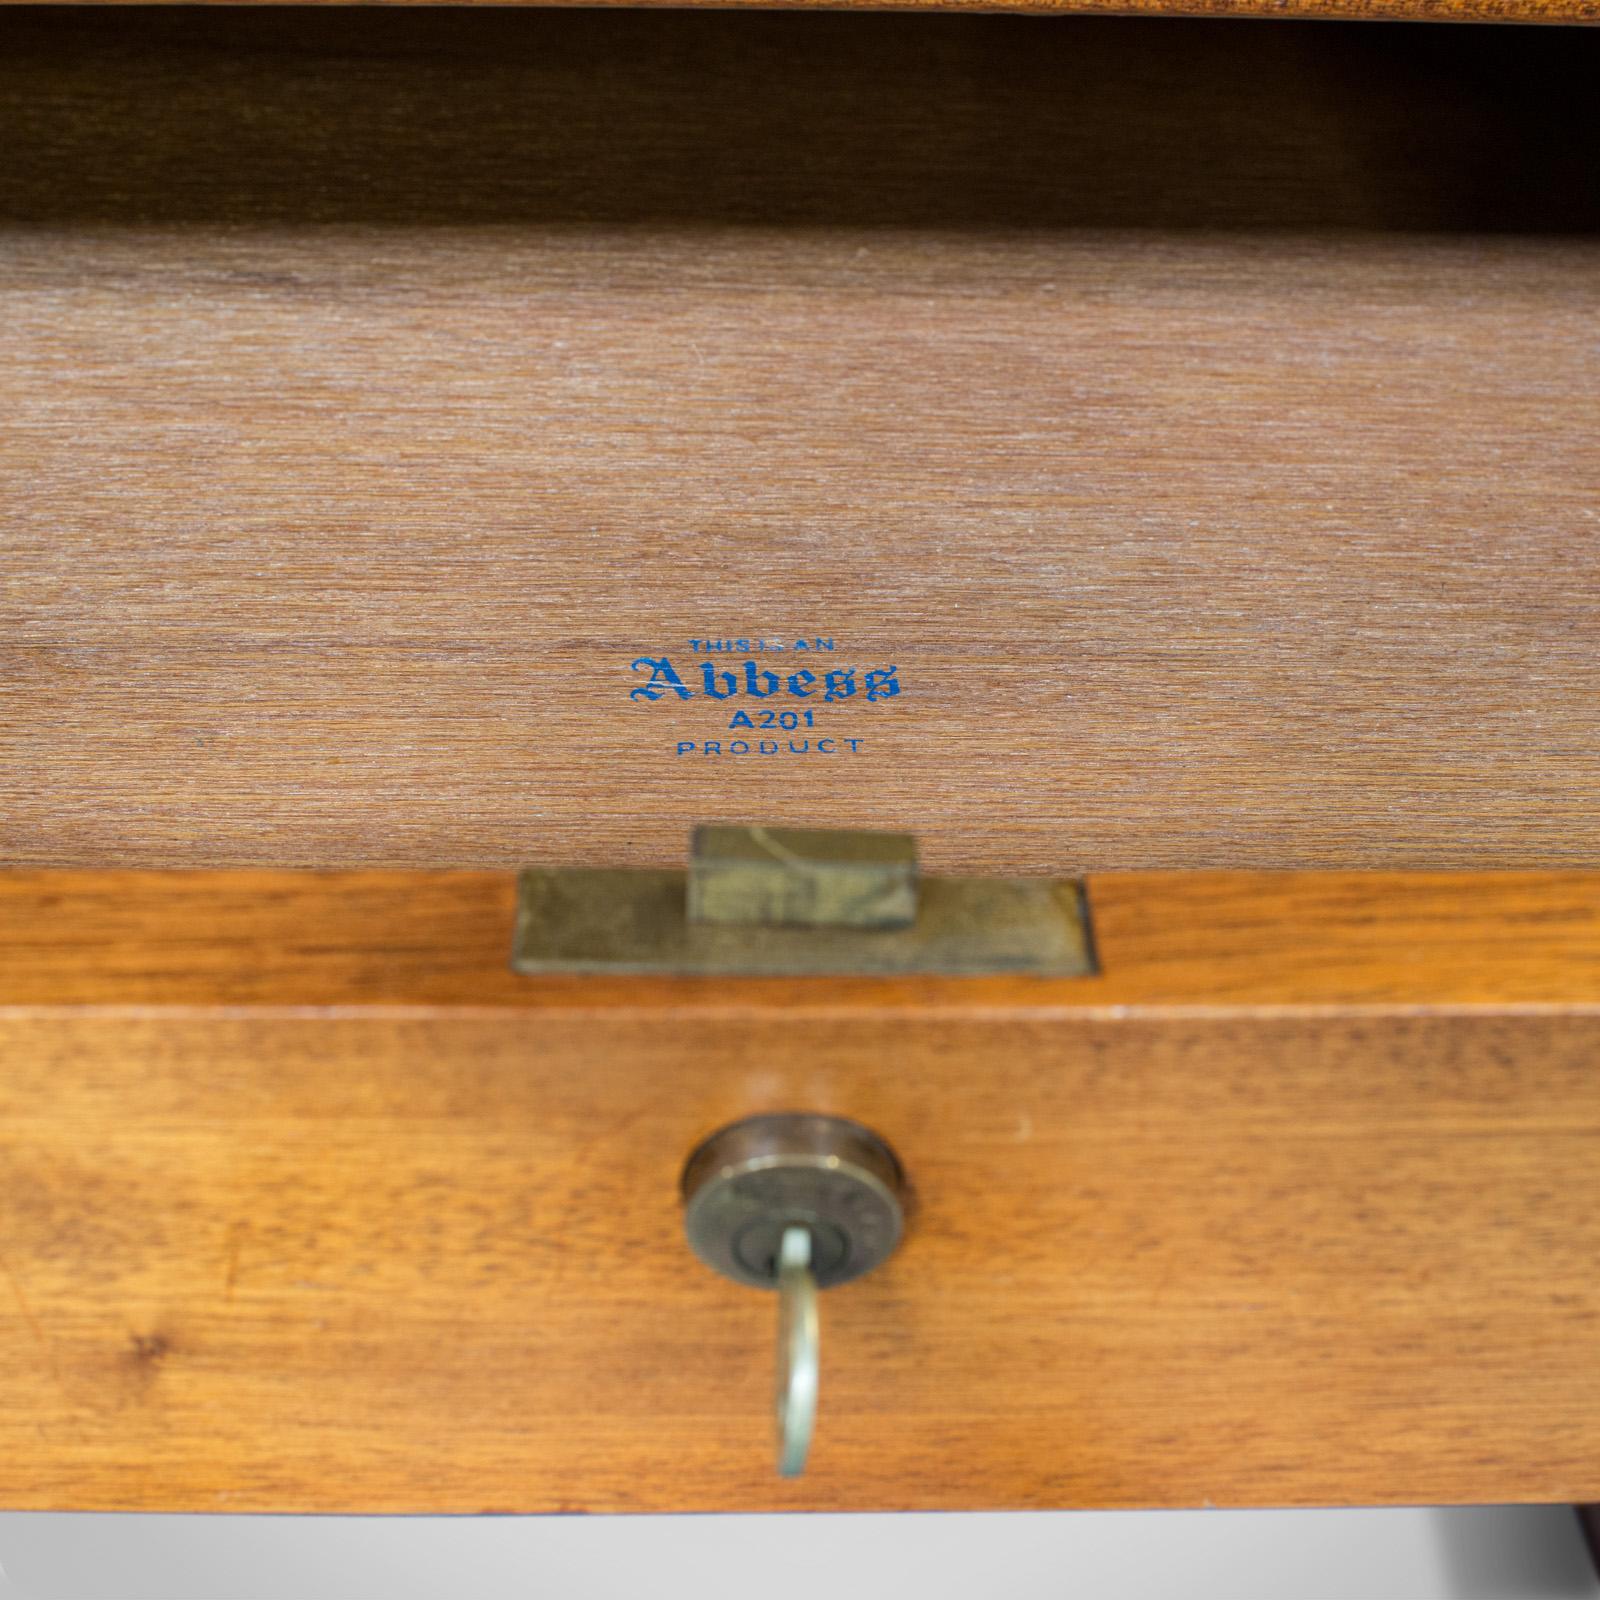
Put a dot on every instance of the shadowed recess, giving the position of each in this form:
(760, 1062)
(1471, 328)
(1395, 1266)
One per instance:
(527, 116)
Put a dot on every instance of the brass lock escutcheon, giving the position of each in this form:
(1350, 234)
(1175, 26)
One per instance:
(795, 1202)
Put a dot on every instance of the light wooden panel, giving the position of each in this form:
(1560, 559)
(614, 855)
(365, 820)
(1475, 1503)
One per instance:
(1201, 419)
(308, 1205)
(1172, 941)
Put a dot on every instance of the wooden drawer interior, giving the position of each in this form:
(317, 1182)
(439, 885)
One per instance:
(1199, 417)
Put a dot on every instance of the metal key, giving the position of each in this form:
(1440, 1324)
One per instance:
(799, 1354)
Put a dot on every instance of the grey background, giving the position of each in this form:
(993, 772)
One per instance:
(1491, 1553)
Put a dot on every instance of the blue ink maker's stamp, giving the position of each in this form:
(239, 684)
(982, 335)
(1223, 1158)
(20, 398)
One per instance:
(772, 702)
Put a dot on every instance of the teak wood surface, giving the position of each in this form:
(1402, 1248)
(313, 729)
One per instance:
(1202, 419)
(308, 1203)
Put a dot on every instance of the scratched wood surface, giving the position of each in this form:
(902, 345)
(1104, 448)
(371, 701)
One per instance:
(306, 1204)
(1200, 419)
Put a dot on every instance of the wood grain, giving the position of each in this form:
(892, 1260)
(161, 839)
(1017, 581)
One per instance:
(1525, 11)
(1177, 942)
(378, 387)
(309, 1205)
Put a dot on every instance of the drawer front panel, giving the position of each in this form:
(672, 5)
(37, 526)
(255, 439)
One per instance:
(1171, 1240)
